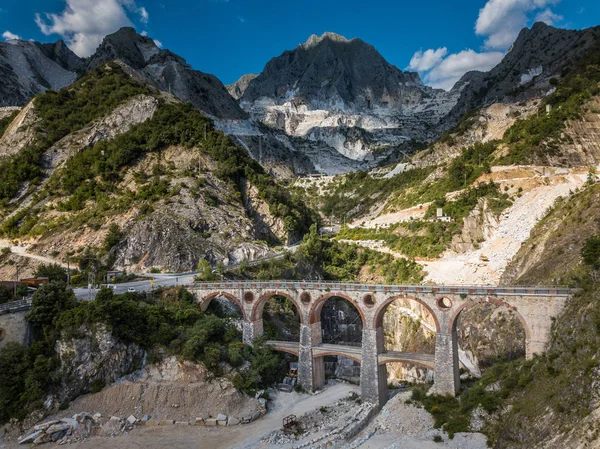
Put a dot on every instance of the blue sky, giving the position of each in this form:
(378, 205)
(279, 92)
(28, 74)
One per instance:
(441, 39)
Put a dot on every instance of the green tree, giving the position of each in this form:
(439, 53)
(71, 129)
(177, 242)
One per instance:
(590, 252)
(5, 294)
(22, 291)
(54, 272)
(113, 237)
(205, 270)
(48, 302)
(13, 366)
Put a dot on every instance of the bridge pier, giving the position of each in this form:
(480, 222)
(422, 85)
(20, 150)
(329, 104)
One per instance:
(251, 330)
(311, 371)
(446, 377)
(373, 377)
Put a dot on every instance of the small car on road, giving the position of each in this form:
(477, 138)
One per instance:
(131, 290)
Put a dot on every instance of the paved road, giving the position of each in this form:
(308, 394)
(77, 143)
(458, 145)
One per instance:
(160, 280)
(170, 280)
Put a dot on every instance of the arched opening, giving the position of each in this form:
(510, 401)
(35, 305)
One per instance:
(400, 373)
(289, 368)
(409, 326)
(341, 325)
(488, 332)
(341, 320)
(341, 367)
(223, 305)
(281, 317)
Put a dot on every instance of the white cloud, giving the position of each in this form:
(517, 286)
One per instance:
(84, 23)
(7, 36)
(425, 60)
(158, 43)
(501, 20)
(144, 33)
(241, 19)
(445, 74)
(548, 17)
(144, 16)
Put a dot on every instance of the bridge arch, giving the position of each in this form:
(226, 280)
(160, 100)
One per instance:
(405, 361)
(286, 350)
(259, 305)
(482, 299)
(381, 309)
(204, 302)
(314, 314)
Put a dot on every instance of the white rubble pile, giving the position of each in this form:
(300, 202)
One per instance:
(402, 425)
(329, 426)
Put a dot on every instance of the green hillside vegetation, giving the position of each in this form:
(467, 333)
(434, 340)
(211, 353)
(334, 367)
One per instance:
(540, 134)
(430, 239)
(326, 259)
(88, 185)
(62, 113)
(173, 323)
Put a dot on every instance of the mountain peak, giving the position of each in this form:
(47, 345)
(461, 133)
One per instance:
(314, 40)
(126, 44)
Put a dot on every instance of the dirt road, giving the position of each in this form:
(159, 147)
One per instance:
(22, 251)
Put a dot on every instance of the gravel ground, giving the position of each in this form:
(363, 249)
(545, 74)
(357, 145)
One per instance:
(404, 426)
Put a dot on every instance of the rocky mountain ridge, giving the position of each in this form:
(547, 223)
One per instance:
(174, 200)
(331, 105)
(342, 93)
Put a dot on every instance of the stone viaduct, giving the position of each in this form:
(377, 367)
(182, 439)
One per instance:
(535, 308)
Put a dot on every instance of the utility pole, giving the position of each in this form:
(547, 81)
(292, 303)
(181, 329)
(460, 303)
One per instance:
(16, 282)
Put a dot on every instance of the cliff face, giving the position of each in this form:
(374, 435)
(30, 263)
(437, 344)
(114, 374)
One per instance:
(94, 356)
(343, 95)
(539, 54)
(27, 69)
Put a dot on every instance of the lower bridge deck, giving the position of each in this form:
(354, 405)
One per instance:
(355, 353)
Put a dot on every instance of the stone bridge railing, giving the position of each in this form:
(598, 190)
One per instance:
(15, 306)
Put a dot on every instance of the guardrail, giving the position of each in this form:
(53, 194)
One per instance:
(15, 306)
(435, 289)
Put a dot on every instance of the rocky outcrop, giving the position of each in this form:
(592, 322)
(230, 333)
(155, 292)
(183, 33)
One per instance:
(20, 133)
(488, 333)
(169, 72)
(133, 112)
(478, 227)
(26, 70)
(94, 356)
(270, 227)
(539, 54)
(237, 89)
(62, 55)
